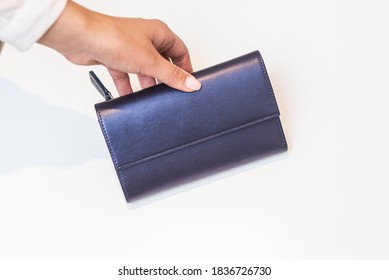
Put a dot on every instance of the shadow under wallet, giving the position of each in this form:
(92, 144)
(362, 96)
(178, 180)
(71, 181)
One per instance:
(35, 133)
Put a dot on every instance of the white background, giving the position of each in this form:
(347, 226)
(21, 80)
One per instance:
(327, 198)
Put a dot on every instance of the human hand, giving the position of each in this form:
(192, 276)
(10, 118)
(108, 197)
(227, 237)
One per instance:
(123, 45)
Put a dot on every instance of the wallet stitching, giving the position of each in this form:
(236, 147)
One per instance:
(267, 81)
(272, 94)
(210, 137)
(107, 138)
(122, 182)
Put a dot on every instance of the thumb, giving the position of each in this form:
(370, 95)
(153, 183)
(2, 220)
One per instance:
(175, 77)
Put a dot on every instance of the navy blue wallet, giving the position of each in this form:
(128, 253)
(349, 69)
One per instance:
(160, 137)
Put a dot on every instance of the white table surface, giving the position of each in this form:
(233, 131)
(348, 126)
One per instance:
(326, 198)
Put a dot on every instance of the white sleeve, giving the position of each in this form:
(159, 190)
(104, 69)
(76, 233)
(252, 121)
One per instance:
(23, 22)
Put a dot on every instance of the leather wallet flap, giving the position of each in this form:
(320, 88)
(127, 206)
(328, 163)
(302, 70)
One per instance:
(160, 120)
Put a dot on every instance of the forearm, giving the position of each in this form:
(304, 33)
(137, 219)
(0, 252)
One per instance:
(71, 30)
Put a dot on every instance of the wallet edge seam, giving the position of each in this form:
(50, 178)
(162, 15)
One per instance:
(270, 88)
(271, 91)
(114, 160)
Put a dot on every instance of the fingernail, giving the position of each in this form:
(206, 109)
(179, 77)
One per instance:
(192, 83)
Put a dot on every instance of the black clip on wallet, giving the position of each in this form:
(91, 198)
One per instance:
(160, 137)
